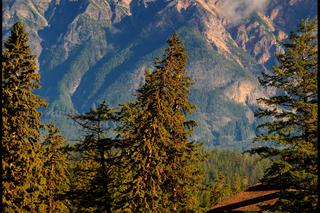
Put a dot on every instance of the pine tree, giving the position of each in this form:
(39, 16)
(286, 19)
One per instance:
(292, 122)
(158, 159)
(220, 189)
(55, 169)
(93, 167)
(237, 185)
(21, 160)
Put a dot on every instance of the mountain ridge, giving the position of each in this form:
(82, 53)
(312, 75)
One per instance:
(100, 50)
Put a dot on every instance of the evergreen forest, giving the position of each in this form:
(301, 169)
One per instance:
(141, 157)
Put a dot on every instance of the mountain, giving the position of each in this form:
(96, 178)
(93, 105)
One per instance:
(94, 50)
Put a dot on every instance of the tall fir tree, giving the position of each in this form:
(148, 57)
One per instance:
(55, 171)
(158, 159)
(292, 122)
(183, 155)
(21, 160)
(94, 163)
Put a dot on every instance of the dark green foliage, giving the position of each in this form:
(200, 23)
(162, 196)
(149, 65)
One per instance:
(220, 189)
(214, 192)
(23, 183)
(34, 171)
(55, 171)
(92, 189)
(228, 172)
(292, 123)
(158, 159)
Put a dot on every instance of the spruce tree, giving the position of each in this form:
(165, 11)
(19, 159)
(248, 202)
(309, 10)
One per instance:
(93, 167)
(55, 169)
(158, 159)
(183, 156)
(220, 190)
(21, 159)
(291, 122)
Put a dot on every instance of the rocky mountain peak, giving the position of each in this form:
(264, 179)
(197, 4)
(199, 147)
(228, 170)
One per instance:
(97, 50)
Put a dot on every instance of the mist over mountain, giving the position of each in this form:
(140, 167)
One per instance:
(94, 50)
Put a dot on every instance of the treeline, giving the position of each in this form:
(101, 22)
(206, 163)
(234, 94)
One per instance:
(228, 172)
(139, 157)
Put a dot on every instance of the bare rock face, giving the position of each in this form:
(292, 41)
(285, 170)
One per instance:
(243, 92)
(269, 23)
(31, 12)
(258, 37)
(83, 28)
(220, 18)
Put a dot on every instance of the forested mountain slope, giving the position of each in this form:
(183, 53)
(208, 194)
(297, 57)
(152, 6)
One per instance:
(94, 50)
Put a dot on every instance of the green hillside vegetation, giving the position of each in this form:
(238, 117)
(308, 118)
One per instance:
(228, 172)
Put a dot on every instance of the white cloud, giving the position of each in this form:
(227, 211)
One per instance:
(237, 10)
